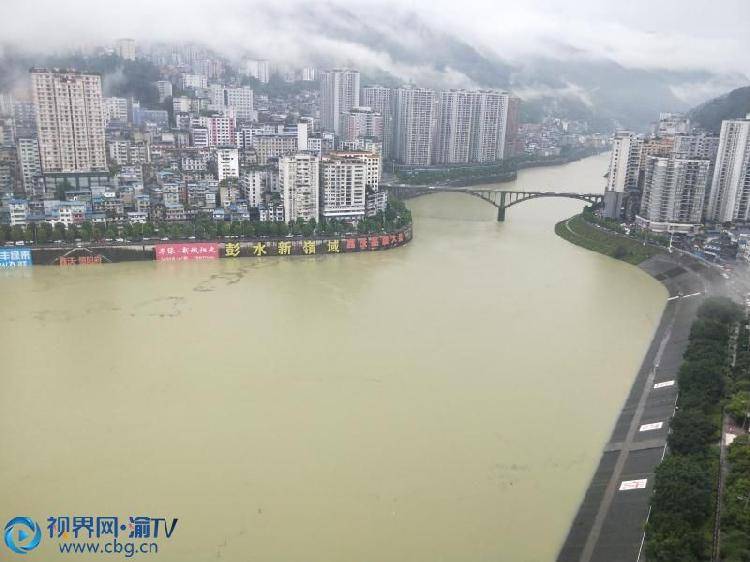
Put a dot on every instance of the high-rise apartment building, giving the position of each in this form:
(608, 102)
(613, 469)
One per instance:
(361, 122)
(696, 146)
(623, 173)
(671, 124)
(513, 142)
(227, 163)
(238, 100)
(221, 131)
(673, 193)
(70, 120)
(490, 121)
(380, 100)
(343, 186)
(729, 199)
(164, 87)
(193, 81)
(241, 101)
(115, 110)
(30, 165)
(258, 69)
(339, 93)
(453, 132)
(126, 49)
(299, 183)
(414, 114)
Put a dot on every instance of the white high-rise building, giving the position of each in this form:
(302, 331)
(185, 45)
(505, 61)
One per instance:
(238, 100)
(696, 146)
(193, 81)
(361, 122)
(258, 69)
(453, 133)
(414, 113)
(490, 129)
(241, 100)
(299, 183)
(254, 183)
(164, 88)
(115, 109)
(671, 124)
(70, 120)
(623, 174)
(126, 49)
(380, 100)
(729, 199)
(227, 163)
(673, 193)
(339, 93)
(343, 187)
(309, 74)
(29, 163)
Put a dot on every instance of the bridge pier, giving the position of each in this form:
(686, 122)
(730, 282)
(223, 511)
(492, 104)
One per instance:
(501, 214)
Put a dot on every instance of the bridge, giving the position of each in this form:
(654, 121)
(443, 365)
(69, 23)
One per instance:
(497, 197)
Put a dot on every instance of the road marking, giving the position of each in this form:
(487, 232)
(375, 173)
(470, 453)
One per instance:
(651, 426)
(663, 384)
(633, 484)
(692, 295)
(673, 298)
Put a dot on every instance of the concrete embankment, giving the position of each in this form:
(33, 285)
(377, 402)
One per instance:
(87, 253)
(610, 520)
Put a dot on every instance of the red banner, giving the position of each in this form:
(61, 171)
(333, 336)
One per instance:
(183, 252)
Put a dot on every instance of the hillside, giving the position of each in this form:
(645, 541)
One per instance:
(710, 114)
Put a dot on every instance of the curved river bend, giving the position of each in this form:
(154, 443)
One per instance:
(443, 401)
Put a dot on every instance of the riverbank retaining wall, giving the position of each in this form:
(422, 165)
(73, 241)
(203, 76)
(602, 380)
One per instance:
(188, 250)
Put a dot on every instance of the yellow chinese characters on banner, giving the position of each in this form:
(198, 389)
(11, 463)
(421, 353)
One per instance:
(333, 247)
(284, 248)
(259, 249)
(308, 247)
(232, 249)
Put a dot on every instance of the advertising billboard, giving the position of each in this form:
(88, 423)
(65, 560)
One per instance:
(187, 251)
(15, 257)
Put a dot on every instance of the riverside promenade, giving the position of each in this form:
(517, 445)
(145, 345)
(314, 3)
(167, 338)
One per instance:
(611, 518)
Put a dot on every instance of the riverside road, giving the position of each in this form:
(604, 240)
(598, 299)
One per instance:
(610, 521)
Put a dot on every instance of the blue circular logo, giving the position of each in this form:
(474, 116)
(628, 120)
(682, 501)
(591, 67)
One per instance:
(22, 534)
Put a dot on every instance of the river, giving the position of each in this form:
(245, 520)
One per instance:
(445, 401)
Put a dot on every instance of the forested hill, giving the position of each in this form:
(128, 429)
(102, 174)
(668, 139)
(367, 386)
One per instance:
(710, 114)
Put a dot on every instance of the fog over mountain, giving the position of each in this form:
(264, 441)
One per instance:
(613, 65)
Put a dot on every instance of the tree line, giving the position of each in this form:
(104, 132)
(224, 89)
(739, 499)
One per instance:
(395, 216)
(680, 526)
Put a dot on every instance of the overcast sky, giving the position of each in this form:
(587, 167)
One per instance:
(672, 34)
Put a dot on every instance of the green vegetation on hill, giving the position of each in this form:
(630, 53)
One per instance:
(709, 115)
(680, 526)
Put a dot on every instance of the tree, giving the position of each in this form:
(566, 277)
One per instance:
(692, 431)
(236, 228)
(739, 406)
(721, 309)
(44, 233)
(17, 233)
(60, 230)
(62, 188)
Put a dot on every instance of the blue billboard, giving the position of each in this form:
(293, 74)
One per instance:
(15, 257)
